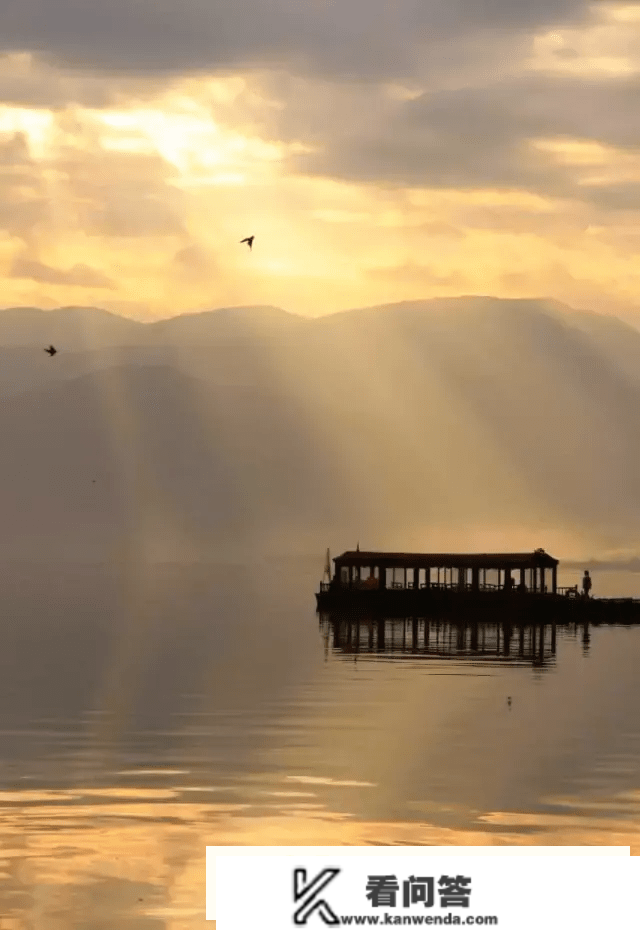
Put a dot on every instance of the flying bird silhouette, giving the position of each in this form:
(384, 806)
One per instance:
(249, 241)
(51, 351)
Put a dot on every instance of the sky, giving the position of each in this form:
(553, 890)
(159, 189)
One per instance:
(378, 151)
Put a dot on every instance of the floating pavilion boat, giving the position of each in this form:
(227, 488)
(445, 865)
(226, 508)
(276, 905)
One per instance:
(406, 584)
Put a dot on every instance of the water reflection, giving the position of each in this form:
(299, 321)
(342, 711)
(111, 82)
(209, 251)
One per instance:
(514, 643)
(134, 860)
(144, 717)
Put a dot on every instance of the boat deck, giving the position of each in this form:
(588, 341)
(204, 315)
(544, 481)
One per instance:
(453, 600)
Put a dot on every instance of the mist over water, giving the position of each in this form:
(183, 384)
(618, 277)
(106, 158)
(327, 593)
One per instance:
(149, 710)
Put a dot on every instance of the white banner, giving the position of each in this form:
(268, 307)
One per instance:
(280, 887)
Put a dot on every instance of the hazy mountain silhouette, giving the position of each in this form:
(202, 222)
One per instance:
(70, 327)
(257, 429)
(23, 368)
(174, 465)
(226, 324)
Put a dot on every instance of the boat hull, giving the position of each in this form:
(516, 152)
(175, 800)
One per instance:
(546, 607)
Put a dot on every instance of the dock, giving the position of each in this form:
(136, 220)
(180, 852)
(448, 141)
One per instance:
(476, 586)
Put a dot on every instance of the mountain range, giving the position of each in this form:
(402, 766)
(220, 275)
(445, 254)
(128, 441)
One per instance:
(468, 422)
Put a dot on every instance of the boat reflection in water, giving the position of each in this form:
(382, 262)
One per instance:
(428, 637)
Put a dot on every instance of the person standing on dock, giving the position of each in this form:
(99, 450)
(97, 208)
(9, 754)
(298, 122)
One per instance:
(586, 583)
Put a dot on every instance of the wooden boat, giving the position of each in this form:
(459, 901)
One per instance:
(402, 583)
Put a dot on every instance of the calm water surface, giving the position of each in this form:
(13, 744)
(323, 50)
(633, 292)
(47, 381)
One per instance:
(148, 712)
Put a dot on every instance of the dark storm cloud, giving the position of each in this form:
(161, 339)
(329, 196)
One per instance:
(379, 38)
(478, 136)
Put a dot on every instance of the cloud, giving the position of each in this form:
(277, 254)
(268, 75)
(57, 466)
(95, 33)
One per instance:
(346, 40)
(442, 230)
(23, 201)
(413, 273)
(510, 219)
(475, 136)
(121, 194)
(29, 82)
(133, 213)
(193, 259)
(78, 276)
(590, 287)
(14, 151)
(568, 54)
(353, 146)
(620, 196)
(77, 185)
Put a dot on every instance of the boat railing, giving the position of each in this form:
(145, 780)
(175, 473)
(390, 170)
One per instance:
(437, 586)
(569, 591)
(445, 586)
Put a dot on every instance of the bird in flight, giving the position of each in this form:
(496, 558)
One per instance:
(51, 350)
(249, 241)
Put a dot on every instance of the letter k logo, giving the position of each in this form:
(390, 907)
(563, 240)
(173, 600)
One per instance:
(308, 892)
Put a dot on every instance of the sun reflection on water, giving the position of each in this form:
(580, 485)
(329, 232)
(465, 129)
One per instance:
(134, 857)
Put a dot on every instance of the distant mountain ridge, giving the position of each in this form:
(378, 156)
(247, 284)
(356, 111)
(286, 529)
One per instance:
(75, 327)
(83, 328)
(253, 428)
(80, 328)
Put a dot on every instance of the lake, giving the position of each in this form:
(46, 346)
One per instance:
(149, 711)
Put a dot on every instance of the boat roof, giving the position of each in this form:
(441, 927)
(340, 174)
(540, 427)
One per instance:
(449, 559)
